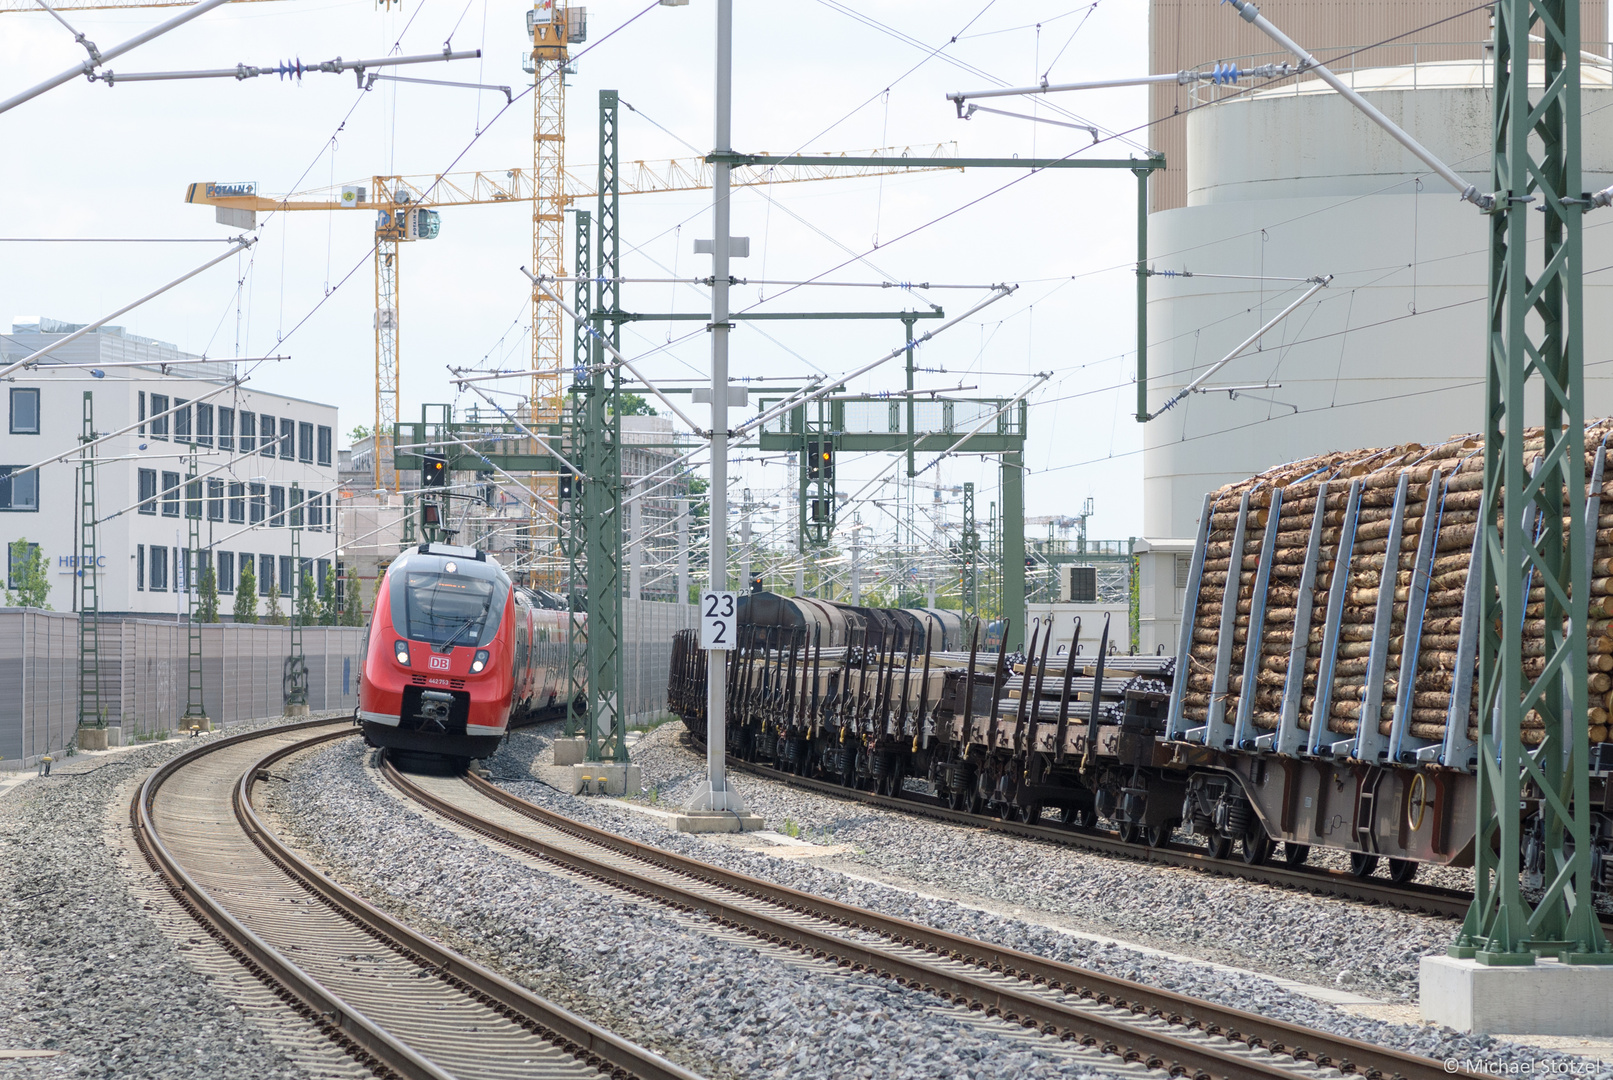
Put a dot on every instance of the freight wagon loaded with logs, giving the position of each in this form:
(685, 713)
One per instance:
(1323, 694)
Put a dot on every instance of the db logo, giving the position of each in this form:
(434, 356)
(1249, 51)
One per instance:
(439, 663)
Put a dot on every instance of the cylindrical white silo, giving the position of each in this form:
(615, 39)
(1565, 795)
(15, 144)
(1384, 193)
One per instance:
(1294, 183)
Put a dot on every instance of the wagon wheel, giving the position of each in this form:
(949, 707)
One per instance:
(1401, 871)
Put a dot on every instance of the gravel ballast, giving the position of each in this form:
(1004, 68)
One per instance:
(707, 998)
(1316, 940)
(84, 968)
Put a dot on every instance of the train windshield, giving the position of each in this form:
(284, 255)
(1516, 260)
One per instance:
(448, 609)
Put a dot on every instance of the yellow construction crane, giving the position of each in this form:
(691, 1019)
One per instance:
(554, 27)
(404, 205)
(405, 210)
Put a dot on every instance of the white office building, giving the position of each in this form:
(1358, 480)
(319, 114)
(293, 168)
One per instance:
(245, 467)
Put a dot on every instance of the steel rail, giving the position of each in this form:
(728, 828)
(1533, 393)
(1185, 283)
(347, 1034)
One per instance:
(350, 1029)
(367, 1040)
(1031, 1006)
(1423, 899)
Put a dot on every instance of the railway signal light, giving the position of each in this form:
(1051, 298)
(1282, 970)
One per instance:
(569, 483)
(820, 460)
(756, 583)
(433, 470)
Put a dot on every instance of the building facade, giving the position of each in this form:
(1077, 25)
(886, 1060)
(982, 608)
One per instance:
(183, 445)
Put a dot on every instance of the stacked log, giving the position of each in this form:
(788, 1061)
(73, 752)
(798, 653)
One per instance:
(1454, 500)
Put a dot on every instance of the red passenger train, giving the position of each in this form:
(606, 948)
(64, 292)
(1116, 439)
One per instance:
(455, 652)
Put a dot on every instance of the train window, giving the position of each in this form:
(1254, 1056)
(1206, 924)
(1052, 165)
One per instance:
(447, 609)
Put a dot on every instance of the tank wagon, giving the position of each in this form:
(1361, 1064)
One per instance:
(1323, 693)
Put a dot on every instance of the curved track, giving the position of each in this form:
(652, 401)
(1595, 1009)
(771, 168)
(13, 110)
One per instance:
(397, 1001)
(1426, 899)
(1142, 1025)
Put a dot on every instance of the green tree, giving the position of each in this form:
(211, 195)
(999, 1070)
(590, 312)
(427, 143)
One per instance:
(636, 405)
(246, 595)
(329, 612)
(27, 583)
(207, 596)
(307, 600)
(358, 434)
(353, 602)
(274, 616)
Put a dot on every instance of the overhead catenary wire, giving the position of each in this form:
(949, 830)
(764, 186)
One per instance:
(226, 388)
(98, 57)
(286, 69)
(240, 243)
(805, 397)
(1198, 382)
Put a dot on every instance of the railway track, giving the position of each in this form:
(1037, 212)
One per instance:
(1145, 1028)
(1424, 899)
(398, 1002)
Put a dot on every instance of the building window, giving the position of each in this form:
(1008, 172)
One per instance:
(305, 443)
(170, 494)
(158, 574)
(265, 574)
(246, 562)
(249, 431)
(288, 438)
(215, 500)
(24, 410)
(296, 507)
(257, 504)
(193, 498)
(181, 420)
(226, 571)
(237, 502)
(19, 492)
(277, 506)
(266, 427)
(204, 561)
(204, 424)
(140, 568)
(141, 416)
(330, 515)
(319, 582)
(324, 444)
(181, 570)
(288, 585)
(148, 491)
(316, 513)
(159, 419)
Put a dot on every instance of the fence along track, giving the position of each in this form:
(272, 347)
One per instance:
(401, 1004)
(1139, 1023)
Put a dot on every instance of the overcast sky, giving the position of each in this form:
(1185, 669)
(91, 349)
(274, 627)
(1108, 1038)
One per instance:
(91, 161)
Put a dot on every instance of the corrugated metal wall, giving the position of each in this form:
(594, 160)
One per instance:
(144, 665)
(1194, 33)
(647, 653)
(143, 676)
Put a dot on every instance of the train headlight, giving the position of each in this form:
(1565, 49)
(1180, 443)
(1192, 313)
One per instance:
(400, 649)
(479, 661)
